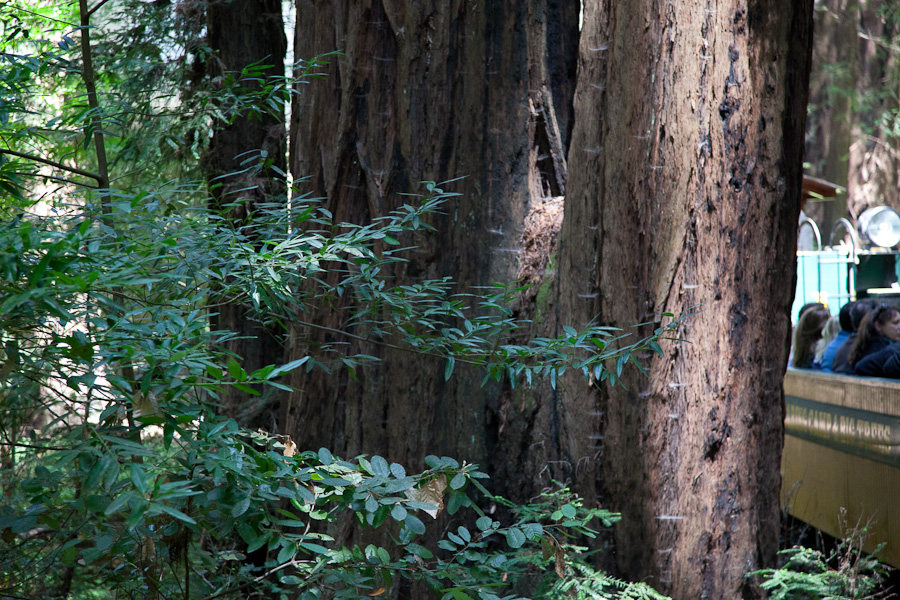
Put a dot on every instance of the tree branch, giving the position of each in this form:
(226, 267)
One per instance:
(93, 10)
(96, 177)
(55, 178)
(390, 345)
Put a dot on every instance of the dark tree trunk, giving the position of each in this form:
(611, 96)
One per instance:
(243, 33)
(684, 186)
(428, 91)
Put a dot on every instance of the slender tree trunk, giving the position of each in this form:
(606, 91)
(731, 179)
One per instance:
(684, 185)
(243, 33)
(427, 91)
(875, 149)
(835, 70)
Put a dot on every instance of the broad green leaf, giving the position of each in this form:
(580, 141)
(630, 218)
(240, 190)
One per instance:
(325, 456)
(414, 524)
(240, 507)
(235, 370)
(515, 538)
(456, 501)
(458, 481)
(398, 513)
(380, 466)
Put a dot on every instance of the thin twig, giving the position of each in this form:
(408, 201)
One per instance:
(25, 10)
(253, 581)
(55, 178)
(386, 344)
(93, 10)
(32, 446)
(53, 163)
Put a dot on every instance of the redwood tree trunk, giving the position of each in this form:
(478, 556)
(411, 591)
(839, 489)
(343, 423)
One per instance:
(427, 91)
(243, 33)
(684, 185)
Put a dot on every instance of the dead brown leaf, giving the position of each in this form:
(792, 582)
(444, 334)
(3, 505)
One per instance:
(560, 558)
(433, 493)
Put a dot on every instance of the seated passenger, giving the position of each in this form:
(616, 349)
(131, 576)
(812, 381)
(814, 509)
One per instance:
(840, 364)
(879, 329)
(830, 331)
(807, 332)
(892, 364)
(846, 323)
(806, 307)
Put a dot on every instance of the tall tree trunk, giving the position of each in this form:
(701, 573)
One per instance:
(684, 185)
(875, 151)
(835, 70)
(427, 91)
(244, 33)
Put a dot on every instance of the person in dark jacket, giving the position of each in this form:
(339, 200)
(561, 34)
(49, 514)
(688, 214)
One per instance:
(840, 364)
(879, 329)
(892, 364)
(846, 330)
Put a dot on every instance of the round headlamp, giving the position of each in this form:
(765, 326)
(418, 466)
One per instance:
(880, 226)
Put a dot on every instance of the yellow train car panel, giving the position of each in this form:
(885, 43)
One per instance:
(842, 451)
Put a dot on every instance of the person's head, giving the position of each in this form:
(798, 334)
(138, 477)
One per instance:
(886, 320)
(806, 307)
(844, 317)
(832, 328)
(881, 321)
(807, 333)
(859, 312)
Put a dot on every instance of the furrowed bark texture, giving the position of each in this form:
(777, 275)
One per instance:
(426, 91)
(247, 32)
(684, 184)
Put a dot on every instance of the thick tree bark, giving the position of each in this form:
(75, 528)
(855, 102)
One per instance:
(684, 185)
(243, 33)
(427, 91)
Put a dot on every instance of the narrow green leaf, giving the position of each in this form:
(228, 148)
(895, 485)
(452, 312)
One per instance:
(177, 514)
(448, 369)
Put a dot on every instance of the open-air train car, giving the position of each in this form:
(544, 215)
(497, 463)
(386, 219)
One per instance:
(842, 451)
(842, 433)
